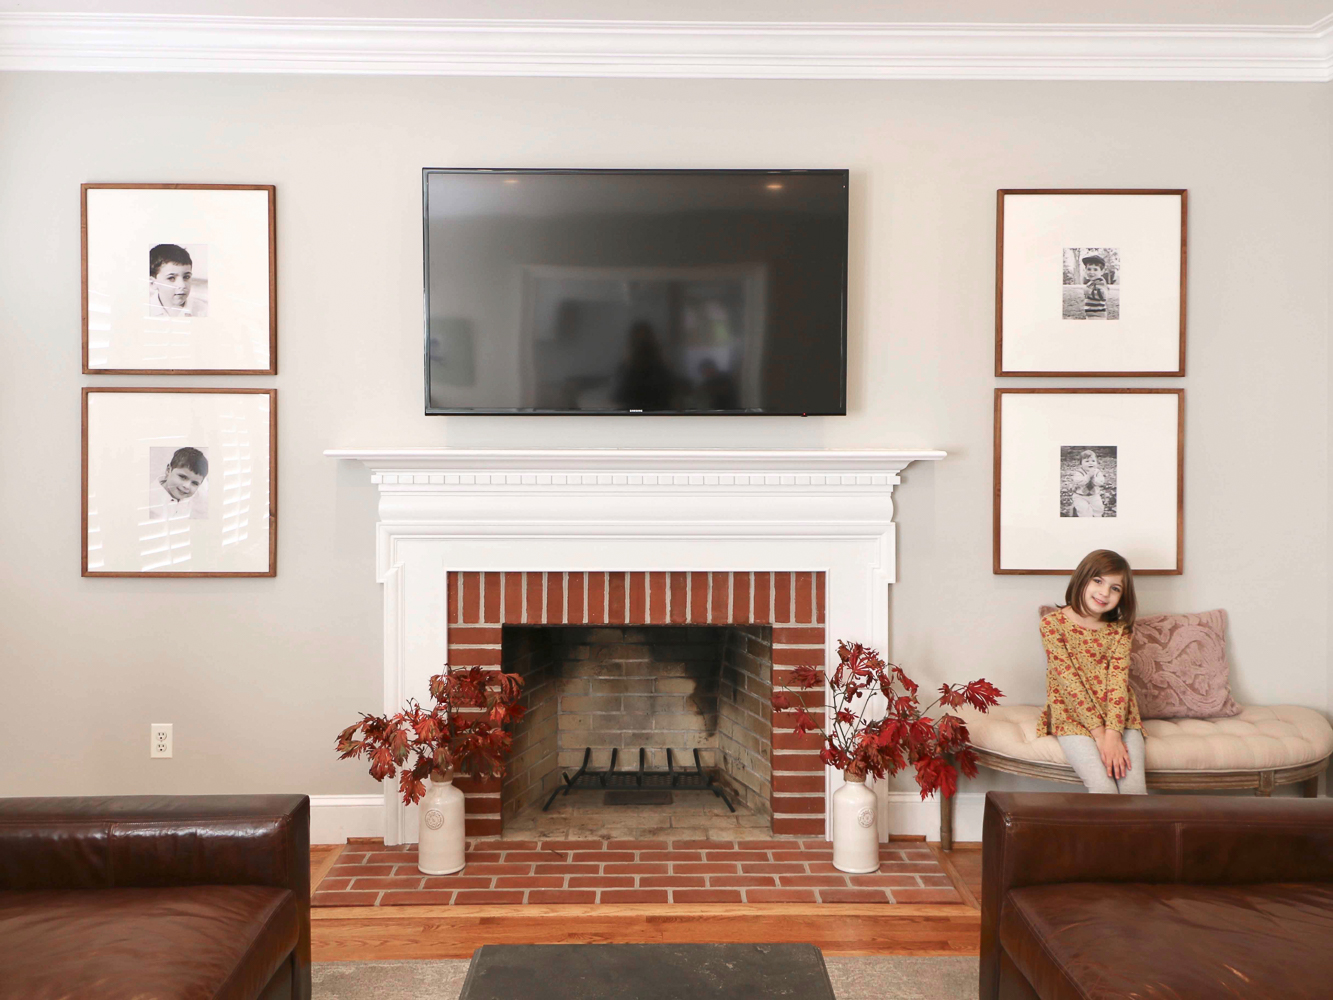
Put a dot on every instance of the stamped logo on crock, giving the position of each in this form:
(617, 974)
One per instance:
(435, 819)
(866, 817)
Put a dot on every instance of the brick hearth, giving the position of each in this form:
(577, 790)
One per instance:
(634, 871)
(479, 604)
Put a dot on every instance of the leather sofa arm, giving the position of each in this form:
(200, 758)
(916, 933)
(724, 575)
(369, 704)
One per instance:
(1038, 838)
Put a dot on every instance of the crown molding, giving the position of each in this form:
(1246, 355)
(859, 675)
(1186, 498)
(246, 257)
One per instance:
(135, 43)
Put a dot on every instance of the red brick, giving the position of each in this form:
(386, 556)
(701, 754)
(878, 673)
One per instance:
(575, 586)
(740, 598)
(772, 868)
(499, 870)
(344, 898)
(451, 599)
(928, 881)
(703, 845)
(705, 896)
(491, 610)
(638, 598)
(763, 598)
(601, 881)
(736, 856)
(602, 856)
(793, 825)
(596, 598)
(796, 656)
(483, 786)
(766, 845)
(482, 804)
(567, 870)
(572, 845)
(504, 845)
(797, 741)
(908, 868)
(422, 897)
(474, 635)
(670, 856)
(819, 598)
(822, 845)
(718, 611)
(513, 588)
(812, 881)
(615, 610)
(457, 882)
(636, 868)
(785, 805)
(798, 782)
(535, 602)
(811, 698)
(802, 635)
(528, 882)
(481, 897)
(637, 845)
(657, 598)
(854, 896)
(780, 896)
(704, 869)
(674, 881)
(471, 598)
(796, 762)
(478, 657)
(555, 599)
(388, 882)
(822, 868)
(333, 884)
(926, 896)
(680, 611)
(741, 882)
(782, 599)
(392, 858)
(698, 598)
(805, 597)
(547, 857)
(353, 871)
(633, 896)
(561, 896)
(806, 856)
(884, 881)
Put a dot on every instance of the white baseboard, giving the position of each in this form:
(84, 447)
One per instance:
(909, 816)
(334, 818)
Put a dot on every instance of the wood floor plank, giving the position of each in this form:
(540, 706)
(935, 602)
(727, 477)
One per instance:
(322, 858)
(367, 933)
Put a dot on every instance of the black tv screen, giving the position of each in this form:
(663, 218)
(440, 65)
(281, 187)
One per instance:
(636, 291)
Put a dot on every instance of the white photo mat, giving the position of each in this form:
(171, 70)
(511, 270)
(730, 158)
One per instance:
(1142, 427)
(1145, 230)
(228, 324)
(133, 524)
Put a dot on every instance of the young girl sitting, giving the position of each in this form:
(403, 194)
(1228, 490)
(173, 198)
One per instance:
(1090, 708)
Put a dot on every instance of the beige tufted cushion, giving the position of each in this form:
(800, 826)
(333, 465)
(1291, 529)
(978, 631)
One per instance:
(1259, 738)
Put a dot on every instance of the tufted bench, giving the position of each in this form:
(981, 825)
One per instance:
(1260, 748)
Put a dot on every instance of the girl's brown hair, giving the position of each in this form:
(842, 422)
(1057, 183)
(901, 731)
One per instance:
(1100, 562)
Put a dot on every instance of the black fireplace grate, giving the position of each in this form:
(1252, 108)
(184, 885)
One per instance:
(671, 778)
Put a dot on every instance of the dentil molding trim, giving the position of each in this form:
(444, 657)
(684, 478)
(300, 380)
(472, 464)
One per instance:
(186, 43)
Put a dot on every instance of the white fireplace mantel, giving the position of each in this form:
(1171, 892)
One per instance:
(444, 509)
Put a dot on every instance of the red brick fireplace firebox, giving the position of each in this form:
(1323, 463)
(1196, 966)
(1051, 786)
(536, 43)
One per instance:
(480, 603)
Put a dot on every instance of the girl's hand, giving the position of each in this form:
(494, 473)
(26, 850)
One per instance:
(1114, 754)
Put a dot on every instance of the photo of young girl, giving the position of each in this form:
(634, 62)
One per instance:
(1090, 707)
(1087, 480)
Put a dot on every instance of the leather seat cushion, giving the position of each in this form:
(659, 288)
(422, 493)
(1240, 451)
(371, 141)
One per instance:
(1259, 738)
(1171, 940)
(206, 942)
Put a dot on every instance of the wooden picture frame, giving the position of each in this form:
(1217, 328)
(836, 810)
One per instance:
(1040, 282)
(135, 523)
(1052, 505)
(126, 231)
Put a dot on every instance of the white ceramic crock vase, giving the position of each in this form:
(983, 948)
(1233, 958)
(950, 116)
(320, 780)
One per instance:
(855, 830)
(440, 842)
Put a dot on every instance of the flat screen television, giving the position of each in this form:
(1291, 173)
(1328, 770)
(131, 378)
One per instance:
(636, 291)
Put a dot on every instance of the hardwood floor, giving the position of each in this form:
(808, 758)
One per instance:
(341, 934)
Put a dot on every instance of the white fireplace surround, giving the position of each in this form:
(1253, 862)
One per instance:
(444, 510)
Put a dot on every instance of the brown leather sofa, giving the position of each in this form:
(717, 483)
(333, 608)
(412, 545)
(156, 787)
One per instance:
(1166, 897)
(203, 897)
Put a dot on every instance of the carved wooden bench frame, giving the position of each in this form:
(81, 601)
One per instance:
(1263, 782)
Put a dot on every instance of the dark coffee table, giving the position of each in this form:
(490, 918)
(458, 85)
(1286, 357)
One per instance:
(646, 972)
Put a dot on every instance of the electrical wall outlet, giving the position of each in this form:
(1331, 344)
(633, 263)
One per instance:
(159, 743)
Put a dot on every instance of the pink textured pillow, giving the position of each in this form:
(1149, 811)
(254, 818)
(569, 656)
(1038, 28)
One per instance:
(1178, 666)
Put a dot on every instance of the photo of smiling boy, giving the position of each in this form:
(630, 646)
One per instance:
(177, 488)
(177, 280)
(1091, 278)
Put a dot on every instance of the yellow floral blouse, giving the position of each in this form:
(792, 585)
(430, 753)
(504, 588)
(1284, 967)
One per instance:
(1087, 678)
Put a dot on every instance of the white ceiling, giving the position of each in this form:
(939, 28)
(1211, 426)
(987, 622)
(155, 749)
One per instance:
(1229, 12)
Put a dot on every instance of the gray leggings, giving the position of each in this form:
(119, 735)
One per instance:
(1083, 757)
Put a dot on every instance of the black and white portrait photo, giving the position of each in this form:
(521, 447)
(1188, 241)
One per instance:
(177, 483)
(1087, 480)
(178, 280)
(1091, 277)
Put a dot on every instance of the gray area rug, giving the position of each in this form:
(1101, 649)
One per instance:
(879, 977)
